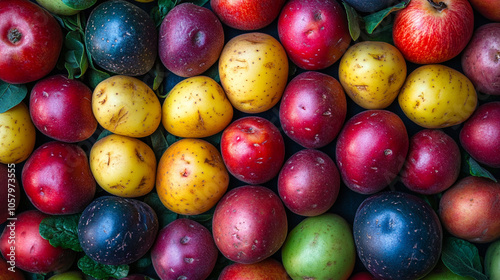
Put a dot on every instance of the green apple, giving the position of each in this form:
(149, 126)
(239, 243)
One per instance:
(66, 7)
(68, 275)
(492, 260)
(441, 272)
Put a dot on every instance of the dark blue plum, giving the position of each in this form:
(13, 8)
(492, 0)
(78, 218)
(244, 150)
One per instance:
(114, 230)
(121, 38)
(370, 6)
(397, 235)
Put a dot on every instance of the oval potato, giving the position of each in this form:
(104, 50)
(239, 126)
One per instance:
(253, 69)
(191, 177)
(123, 166)
(196, 107)
(437, 96)
(17, 134)
(127, 106)
(372, 73)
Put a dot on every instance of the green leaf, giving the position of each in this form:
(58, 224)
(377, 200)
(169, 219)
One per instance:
(165, 216)
(462, 258)
(159, 12)
(79, 4)
(353, 20)
(158, 143)
(204, 219)
(475, 169)
(159, 72)
(103, 134)
(61, 231)
(382, 34)
(213, 72)
(373, 20)
(95, 75)
(214, 139)
(76, 62)
(72, 23)
(11, 95)
(196, 2)
(102, 271)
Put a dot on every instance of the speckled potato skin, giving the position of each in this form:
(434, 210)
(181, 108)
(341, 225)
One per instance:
(372, 73)
(196, 107)
(191, 177)
(253, 69)
(123, 166)
(127, 106)
(17, 134)
(437, 96)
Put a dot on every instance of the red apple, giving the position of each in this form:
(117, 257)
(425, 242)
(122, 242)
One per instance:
(481, 59)
(433, 31)
(313, 109)
(433, 162)
(247, 14)
(57, 178)
(30, 41)
(470, 209)
(191, 39)
(61, 108)
(22, 244)
(268, 269)
(480, 134)
(487, 8)
(10, 193)
(314, 33)
(249, 224)
(253, 149)
(309, 182)
(371, 150)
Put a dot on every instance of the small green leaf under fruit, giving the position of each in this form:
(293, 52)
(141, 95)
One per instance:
(61, 231)
(79, 4)
(462, 258)
(102, 271)
(103, 134)
(11, 95)
(353, 20)
(375, 19)
(158, 143)
(475, 169)
(75, 57)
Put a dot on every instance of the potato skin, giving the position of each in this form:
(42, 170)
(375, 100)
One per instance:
(123, 166)
(372, 73)
(253, 71)
(437, 96)
(196, 107)
(191, 177)
(127, 106)
(17, 134)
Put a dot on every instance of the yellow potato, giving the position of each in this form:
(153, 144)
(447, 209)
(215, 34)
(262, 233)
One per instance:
(437, 96)
(123, 166)
(191, 177)
(17, 134)
(372, 73)
(196, 107)
(253, 69)
(127, 106)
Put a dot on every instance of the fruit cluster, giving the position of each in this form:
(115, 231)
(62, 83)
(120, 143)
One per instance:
(249, 139)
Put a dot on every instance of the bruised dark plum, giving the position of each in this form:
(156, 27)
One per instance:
(121, 38)
(114, 230)
(397, 235)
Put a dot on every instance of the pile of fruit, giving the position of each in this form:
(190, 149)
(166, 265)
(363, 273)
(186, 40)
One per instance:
(249, 139)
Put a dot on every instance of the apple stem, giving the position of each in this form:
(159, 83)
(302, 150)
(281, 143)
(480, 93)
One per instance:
(438, 6)
(14, 35)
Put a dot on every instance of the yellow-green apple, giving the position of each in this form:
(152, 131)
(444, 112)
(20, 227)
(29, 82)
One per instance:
(57, 178)
(247, 14)
(249, 224)
(314, 33)
(371, 150)
(309, 182)
(191, 39)
(61, 108)
(469, 209)
(487, 8)
(480, 134)
(432, 31)
(253, 149)
(30, 41)
(481, 59)
(66, 7)
(492, 260)
(313, 109)
(22, 243)
(433, 162)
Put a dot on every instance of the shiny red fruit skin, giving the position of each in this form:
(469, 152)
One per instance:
(247, 14)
